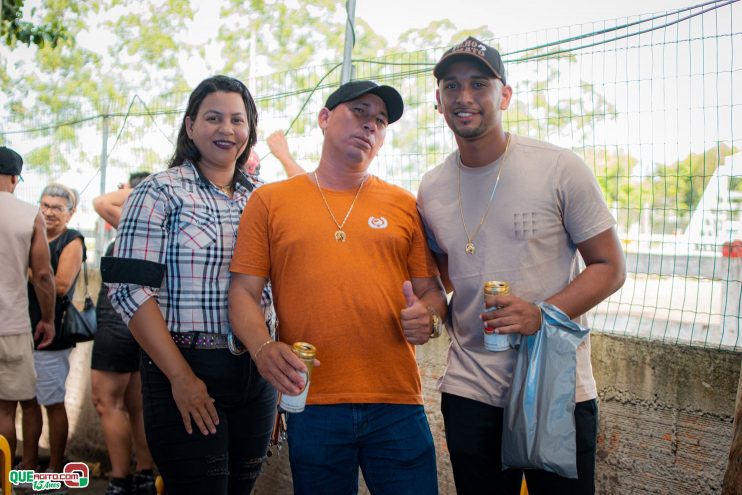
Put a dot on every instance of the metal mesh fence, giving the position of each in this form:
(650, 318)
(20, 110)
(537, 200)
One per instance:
(649, 102)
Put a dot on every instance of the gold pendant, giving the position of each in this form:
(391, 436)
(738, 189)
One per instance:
(340, 236)
(470, 248)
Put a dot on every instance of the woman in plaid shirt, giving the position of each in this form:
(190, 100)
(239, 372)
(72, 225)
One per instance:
(169, 281)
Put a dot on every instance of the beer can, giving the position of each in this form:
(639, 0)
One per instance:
(492, 341)
(295, 403)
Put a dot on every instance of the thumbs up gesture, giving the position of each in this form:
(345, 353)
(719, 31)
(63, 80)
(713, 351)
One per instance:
(415, 317)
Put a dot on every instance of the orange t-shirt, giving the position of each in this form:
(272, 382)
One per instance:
(343, 297)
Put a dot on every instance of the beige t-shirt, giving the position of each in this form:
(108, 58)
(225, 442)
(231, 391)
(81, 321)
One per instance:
(16, 232)
(547, 201)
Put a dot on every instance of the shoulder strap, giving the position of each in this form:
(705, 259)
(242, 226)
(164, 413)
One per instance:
(85, 274)
(68, 236)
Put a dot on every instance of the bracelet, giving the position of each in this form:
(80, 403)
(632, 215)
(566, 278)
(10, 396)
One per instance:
(255, 356)
(436, 325)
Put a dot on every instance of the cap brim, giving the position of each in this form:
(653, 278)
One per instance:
(390, 96)
(392, 99)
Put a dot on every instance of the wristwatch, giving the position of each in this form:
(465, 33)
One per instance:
(436, 323)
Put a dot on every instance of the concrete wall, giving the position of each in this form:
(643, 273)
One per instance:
(666, 416)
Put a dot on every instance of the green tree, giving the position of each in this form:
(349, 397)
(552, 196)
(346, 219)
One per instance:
(143, 45)
(14, 29)
(419, 140)
(137, 52)
(677, 187)
(617, 174)
(441, 33)
(535, 110)
(543, 108)
(290, 35)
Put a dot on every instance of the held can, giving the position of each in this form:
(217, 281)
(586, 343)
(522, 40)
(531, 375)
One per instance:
(295, 403)
(492, 341)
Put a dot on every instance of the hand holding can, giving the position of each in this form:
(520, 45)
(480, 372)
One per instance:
(492, 341)
(295, 403)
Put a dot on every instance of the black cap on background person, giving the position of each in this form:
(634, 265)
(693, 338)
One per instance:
(11, 162)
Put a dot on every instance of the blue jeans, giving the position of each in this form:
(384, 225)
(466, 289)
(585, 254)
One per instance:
(474, 436)
(391, 443)
(229, 461)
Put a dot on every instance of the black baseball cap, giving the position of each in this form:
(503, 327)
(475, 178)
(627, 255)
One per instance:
(355, 89)
(11, 162)
(468, 49)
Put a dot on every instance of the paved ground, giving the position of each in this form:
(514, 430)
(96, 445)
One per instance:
(97, 487)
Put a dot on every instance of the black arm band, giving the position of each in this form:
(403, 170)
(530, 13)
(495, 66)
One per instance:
(131, 271)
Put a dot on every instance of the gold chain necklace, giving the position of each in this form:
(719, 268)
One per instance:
(339, 233)
(470, 249)
(227, 189)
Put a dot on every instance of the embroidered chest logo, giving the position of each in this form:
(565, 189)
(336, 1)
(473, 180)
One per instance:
(377, 222)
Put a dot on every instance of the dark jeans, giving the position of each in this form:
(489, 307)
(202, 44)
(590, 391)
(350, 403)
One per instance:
(474, 436)
(391, 443)
(229, 461)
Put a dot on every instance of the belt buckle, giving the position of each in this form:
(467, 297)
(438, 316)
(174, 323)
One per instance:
(235, 346)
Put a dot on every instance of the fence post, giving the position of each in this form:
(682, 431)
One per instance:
(100, 231)
(731, 291)
(350, 40)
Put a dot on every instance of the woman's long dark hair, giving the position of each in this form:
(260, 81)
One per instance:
(185, 149)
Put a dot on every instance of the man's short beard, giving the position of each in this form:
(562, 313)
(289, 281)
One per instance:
(469, 133)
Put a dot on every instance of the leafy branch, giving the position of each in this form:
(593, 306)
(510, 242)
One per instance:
(13, 29)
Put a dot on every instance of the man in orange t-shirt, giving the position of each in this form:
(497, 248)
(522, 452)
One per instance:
(351, 273)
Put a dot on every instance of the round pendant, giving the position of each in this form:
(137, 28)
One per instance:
(470, 248)
(340, 236)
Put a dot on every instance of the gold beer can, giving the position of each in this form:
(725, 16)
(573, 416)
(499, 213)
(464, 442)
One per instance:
(496, 288)
(492, 341)
(295, 403)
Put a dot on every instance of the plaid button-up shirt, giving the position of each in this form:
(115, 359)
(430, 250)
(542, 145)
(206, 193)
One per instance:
(181, 221)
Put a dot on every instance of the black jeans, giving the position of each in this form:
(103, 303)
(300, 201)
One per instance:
(229, 461)
(474, 436)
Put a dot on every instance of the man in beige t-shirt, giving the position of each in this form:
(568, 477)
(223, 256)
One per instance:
(24, 245)
(509, 208)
